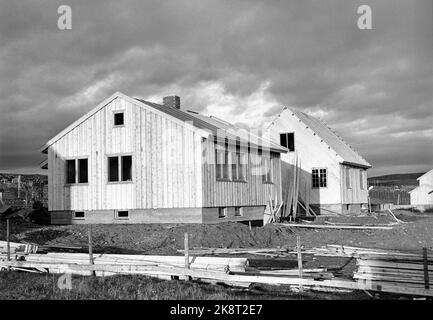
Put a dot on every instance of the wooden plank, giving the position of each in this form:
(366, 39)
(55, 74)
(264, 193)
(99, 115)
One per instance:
(220, 276)
(317, 226)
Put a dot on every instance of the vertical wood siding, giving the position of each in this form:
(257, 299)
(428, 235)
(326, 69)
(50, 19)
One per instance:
(229, 193)
(354, 194)
(166, 170)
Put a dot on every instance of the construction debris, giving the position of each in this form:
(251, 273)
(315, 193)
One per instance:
(323, 226)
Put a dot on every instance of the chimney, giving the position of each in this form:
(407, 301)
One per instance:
(171, 101)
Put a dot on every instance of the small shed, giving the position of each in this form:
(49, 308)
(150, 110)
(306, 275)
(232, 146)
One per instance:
(422, 196)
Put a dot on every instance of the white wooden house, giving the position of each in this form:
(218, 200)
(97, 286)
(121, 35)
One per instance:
(133, 161)
(422, 196)
(333, 175)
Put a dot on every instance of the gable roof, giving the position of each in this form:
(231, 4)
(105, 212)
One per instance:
(336, 143)
(204, 126)
(425, 174)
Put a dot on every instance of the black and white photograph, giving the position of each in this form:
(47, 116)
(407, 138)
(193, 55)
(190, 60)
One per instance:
(216, 154)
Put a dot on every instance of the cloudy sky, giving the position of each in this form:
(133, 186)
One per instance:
(239, 60)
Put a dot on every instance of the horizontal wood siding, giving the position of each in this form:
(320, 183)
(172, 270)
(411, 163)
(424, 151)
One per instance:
(253, 192)
(166, 164)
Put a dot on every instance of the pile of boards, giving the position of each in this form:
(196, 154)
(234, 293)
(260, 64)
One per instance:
(405, 270)
(378, 270)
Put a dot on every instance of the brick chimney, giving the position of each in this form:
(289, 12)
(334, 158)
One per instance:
(171, 101)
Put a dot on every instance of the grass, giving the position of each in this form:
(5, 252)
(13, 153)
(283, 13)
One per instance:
(29, 286)
(21, 285)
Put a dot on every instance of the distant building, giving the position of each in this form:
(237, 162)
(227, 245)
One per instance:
(422, 196)
(333, 175)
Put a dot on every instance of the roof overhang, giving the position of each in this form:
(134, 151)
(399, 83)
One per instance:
(358, 165)
(44, 164)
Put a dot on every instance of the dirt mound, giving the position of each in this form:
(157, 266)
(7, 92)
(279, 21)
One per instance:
(415, 233)
(162, 239)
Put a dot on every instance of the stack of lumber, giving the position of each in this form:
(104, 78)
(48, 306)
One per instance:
(18, 247)
(407, 270)
(252, 251)
(60, 262)
(327, 226)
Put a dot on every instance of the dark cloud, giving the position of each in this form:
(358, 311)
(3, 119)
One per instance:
(241, 60)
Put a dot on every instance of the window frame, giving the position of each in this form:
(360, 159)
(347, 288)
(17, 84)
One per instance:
(286, 134)
(238, 166)
(224, 211)
(119, 168)
(361, 179)
(348, 180)
(117, 217)
(240, 211)
(74, 215)
(77, 170)
(269, 173)
(319, 177)
(122, 111)
(225, 165)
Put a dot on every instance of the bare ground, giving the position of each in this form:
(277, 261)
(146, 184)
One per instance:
(416, 232)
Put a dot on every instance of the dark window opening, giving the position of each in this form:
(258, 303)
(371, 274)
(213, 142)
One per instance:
(126, 168)
(70, 171)
(113, 169)
(79, 214)
(222, 212)
(319, 178)
(82, 171)
(287, 140)
(238, 211)
(119, 119)
(123, 214)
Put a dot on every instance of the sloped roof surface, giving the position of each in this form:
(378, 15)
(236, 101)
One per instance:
(216, 127)
(348, 154)
(242, 133)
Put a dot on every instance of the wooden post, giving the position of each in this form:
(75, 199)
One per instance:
(8, 240)
(91, 262)
(425, 263)
(369, 204)
(186, 251)
(298, 249)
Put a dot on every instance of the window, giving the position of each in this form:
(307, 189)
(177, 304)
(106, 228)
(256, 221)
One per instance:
(348, 182)
(267, 170)
(119, 119)
(361, 179)
(122, 214)
(222, 212)
(222, 162)
(119, 168)
(319, 177)
(239, 166)
(78, 215)
(239, 212)
(82, 171)
(287, 140)
(70, 171)
(113, 169)
(126, 168)
(77, 169)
